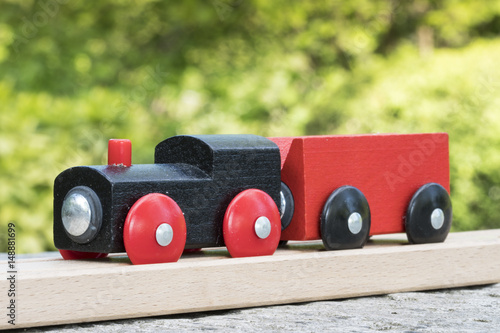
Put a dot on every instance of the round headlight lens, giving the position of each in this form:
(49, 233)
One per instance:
(81, 214)
(76, 214)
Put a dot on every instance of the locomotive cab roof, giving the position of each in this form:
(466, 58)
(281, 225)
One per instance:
(216, 154)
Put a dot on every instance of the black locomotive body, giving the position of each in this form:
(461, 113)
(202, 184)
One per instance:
(202, 174)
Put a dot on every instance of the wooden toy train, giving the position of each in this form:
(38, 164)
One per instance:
(248, 192)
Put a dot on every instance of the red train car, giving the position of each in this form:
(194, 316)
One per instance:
(343, 189)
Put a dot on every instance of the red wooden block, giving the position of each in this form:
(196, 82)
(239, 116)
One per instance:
(387, 168)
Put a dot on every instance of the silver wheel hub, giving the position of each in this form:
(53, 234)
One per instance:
(355, 223)
(164, 234)
(283, 204)
(262, 227)
(437, 218)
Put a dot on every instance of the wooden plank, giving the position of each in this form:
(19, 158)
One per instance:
(53, 291)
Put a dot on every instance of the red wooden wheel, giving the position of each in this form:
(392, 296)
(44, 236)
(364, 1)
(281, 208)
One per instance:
(252, 225)
(72, 255)
(154, 230)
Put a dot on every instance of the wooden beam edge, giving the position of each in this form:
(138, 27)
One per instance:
(96, 291)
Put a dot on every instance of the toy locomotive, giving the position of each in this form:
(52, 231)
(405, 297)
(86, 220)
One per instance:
(248, 193)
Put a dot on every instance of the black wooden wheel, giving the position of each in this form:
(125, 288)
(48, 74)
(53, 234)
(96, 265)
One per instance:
(345, 220)
(283, 243)
(429, 215)
(287, 206)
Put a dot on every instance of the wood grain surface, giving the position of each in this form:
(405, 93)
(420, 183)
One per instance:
(53, 291)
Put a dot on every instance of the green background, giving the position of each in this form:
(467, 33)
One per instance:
(74, 74)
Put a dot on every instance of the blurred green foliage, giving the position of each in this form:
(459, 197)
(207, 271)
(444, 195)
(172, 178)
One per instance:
(74, 74)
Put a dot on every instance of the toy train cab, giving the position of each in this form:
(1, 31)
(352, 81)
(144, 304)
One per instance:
(248, 192)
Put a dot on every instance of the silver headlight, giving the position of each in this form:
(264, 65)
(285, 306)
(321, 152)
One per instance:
(81, 214)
